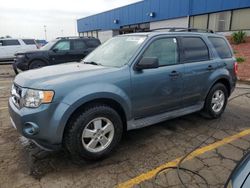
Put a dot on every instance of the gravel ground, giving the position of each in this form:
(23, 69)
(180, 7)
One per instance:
(22, 164)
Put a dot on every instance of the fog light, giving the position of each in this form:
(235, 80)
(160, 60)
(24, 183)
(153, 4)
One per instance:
(30, 129)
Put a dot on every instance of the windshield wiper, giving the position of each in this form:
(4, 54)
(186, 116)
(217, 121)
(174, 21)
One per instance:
(92, 63)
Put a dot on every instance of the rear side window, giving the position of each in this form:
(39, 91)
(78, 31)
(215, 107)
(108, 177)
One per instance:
(79, 45)
(92, 43)
(221, 47)
(29, 41)
(195, 49)
(10, 42)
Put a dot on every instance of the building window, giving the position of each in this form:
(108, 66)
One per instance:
(199, 22)
(220, 21)
(241, 19)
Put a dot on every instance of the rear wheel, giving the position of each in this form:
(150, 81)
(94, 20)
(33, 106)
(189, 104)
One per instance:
(94, 133)
(37, 64)
(216, 101)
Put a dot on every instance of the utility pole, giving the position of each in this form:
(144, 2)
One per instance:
(45, 32)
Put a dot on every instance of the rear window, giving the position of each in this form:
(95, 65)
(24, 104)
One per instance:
(195, 49)
(221, 47)
(92, 43)
(29, 41)
(10, 42)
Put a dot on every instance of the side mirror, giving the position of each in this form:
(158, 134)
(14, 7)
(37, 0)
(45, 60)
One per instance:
(55, 50)
(148, 63)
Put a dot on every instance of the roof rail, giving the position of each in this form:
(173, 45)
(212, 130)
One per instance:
(73, 37)
(184, 29)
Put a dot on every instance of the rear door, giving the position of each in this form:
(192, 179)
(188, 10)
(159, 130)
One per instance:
(198, 67)
(2, 51)
(79, 49)
(159, 90)
(11, 47)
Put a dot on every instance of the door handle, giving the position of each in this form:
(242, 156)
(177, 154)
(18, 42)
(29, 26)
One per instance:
(174, 74)
(210, 67)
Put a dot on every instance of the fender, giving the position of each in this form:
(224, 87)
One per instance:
(87, 93)
(38, 58)
(217, 75)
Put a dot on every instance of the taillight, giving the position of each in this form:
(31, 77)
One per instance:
(236, 68)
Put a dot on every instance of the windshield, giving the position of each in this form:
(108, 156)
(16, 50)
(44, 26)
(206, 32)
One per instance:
(116, 52)
(49, 45)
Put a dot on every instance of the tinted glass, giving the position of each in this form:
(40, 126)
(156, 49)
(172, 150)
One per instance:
(92, 43)
(79, 45)
(116, 52)
(195, 49)
(10, 42)
(221, 47)
(62, 46)
(29, 41)
(166, 50)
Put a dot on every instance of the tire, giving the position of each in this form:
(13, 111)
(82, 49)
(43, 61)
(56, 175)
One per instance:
(37, 64)
(215, 106)
(76, 142)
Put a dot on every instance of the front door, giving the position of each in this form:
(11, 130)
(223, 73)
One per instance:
(60, 53)
(159, 90)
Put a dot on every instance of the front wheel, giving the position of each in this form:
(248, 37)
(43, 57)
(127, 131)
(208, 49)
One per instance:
(94, 133)
(37, 64)
(216, 101)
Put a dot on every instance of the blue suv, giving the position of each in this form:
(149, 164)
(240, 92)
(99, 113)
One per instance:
(129, 82)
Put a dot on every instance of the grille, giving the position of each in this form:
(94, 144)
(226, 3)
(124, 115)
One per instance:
(16, 94)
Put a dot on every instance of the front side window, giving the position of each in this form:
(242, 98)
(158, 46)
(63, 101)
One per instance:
(62, 46)
(195, 49)
(29, 41)
(116, 52)
(165, 49)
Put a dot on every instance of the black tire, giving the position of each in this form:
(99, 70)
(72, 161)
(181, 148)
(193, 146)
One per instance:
(74, 130)
(37, 64)
(208, 110)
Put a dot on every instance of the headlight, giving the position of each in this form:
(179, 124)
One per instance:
(34, 98)
(20, 56)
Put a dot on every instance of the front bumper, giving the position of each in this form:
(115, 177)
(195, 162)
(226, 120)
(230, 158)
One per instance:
(20, 63)
(42, 125)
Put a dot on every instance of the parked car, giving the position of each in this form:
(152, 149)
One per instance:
(10, 46)
(60, 50)
(240, 176)
(130, 81)
(41, 43)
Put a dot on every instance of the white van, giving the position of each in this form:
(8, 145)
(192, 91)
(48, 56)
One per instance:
(9, 47)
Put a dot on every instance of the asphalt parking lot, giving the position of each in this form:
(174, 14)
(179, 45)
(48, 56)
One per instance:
(141, 155)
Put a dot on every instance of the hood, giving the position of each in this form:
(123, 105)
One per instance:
(63, 73)
(31, 52)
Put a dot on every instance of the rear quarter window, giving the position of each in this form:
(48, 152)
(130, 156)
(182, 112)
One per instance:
(195, 49)
(29, 41)
(221, 47)
(92, 43)
(10, 42)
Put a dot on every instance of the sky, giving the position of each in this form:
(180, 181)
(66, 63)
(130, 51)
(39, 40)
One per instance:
(27, 18)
